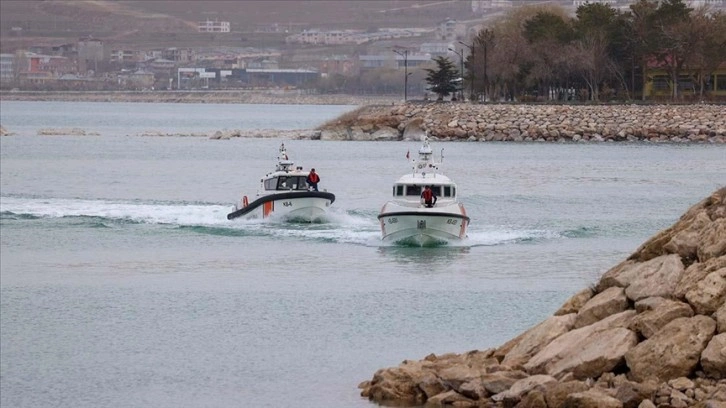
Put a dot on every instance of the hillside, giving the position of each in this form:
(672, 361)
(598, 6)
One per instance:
(166, 23)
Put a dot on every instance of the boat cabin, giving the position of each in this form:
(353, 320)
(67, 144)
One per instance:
(413, 191)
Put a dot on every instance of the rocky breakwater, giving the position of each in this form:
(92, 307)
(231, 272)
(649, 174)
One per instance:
(544, 123)
(650, 333)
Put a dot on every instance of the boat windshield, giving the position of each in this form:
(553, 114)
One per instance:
(415, 190)
(286, 183)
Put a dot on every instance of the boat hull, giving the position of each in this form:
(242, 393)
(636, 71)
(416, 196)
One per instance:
(303, 206)
(424, 226)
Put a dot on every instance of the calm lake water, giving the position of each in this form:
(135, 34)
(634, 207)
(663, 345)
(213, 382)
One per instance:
(122, 283)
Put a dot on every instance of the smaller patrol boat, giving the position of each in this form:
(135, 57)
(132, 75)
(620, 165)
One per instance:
(285, 193)
(407, 219)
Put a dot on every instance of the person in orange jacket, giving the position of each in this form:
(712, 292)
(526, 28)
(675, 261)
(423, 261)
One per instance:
(429, 197)
(313, 179)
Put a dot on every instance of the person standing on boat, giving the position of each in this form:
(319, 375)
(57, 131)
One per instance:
(429, 197)
(313, 179)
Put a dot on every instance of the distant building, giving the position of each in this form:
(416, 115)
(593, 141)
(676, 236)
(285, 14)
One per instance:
(38, 68)
(578, 3)
(337, 37)
(483, 6)
(7, 67)
(125, 56)
(179, 55)
(436, 49)
(136, 80)
(215, 26)
(339, 65)
(393, 60)
(90, 54)
(189, 78)
(710, 3)
(450, 30)
(326, 37)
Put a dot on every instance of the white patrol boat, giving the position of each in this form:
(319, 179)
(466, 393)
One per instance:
(406, 219)
(285, 193)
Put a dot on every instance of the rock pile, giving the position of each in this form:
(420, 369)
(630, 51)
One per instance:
(651, 333)
(66, 132)
(545, 123)
(266, 133)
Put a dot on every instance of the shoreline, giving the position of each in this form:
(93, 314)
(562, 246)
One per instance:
(285, 97)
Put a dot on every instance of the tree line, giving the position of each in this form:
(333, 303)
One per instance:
(541, 53)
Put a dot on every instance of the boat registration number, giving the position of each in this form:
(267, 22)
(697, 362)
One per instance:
(287, 203)
(392, 220)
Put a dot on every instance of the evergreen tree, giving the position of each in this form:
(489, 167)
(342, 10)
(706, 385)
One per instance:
(441, 79)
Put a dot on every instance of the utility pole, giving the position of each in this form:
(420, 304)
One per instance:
(488, 35)
(461, 73)
(404, 54)
(471, 69)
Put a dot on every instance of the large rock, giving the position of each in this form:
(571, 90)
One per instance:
(604, 304)
(522, 387)
(414, 130)
(538, 337)
(695, 273)
(711, 240)
(397, 385)
(556, 393)
(710, 293)
(588, 351)
(721, 318)
(658, 245)
(685, 242)
(592, 398)
(655, 313)
(575, 303)
(672, 352)
(385, 133)
(713, 358)
(658, 277)
(501, 381)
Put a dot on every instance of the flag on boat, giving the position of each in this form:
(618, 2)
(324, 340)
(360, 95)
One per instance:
(407, 154)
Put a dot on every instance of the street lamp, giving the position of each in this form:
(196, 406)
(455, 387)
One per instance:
(488, 36)
(461, 59)
(471, 69)
(404, 54)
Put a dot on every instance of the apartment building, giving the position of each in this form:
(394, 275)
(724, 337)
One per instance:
(215, 26)
(7, 67)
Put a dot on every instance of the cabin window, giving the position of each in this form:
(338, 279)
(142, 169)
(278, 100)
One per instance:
(271, 184)
(398, 191)
(436, 190)
(291, 183)
(413, 191)
(447, 191)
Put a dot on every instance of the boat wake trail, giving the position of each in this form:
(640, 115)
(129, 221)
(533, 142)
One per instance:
(125, 211)
(357, 227)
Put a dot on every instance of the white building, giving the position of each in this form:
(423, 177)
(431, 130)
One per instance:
(578, 3)
(482, 6)
(215, 26)
(7, 67)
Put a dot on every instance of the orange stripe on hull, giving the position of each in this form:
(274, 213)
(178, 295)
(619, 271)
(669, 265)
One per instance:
(462, 234)
(268, 208)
